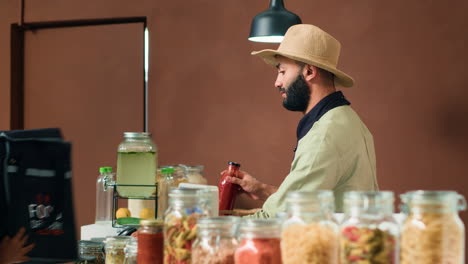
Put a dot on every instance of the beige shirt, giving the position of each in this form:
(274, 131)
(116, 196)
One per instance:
(336, 154)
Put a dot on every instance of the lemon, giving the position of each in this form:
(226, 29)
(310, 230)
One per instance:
(122, 212)
(147, 213)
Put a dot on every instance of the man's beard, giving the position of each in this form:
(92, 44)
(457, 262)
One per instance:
(297, 95)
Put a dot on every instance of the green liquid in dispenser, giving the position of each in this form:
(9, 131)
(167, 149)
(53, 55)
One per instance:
(136, 168)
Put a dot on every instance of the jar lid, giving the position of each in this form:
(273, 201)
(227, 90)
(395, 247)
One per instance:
(375, 197)
(421, 197)
(118, 240)
(212, 222)
(319, 196)
(183, 193)
(250, 225)
(137, 134)
(90, 244)
(151, 222)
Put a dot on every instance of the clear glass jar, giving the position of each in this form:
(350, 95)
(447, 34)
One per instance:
(433, 232)
(369, 233)
(180, 229)
(194, 174)
(216, 240)
(115, 249)
(136, 165)
(90, 252)
(150, 241)
(309, 234)
(131, 252)
(259, 242)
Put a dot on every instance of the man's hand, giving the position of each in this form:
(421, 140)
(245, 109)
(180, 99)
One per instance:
(251, 186)
(12, 250)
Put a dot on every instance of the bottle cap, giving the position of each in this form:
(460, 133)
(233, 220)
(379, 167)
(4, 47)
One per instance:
(233, 163)
(167, 170)
(105, 169)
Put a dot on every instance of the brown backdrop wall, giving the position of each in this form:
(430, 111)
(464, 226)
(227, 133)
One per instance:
(210, 101)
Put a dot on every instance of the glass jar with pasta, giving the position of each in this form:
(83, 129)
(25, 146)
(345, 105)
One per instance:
(309, 234)
(369, 233)
(180, 224)
(216, 240)
(433, 232)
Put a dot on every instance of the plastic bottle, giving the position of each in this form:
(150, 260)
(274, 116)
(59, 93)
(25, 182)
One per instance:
(104, 191)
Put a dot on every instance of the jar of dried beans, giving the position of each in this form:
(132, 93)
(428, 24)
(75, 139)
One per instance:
(369, 233)
(309, 235)
(259, 242)
(180, 229)
(433, 232)
(216, 240)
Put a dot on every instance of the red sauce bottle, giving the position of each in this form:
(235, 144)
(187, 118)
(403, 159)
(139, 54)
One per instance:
(227, 190)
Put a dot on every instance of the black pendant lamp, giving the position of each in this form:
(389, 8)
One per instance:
(271, 24)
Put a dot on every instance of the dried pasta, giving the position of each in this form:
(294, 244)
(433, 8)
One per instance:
(309, 244)
(432, 238)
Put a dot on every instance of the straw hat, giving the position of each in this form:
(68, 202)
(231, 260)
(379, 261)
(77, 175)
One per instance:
(311, 45)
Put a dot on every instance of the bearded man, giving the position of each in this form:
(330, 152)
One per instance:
(335, 150)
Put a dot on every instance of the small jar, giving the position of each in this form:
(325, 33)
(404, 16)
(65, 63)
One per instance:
(90, 252)
(115, 249)
(131, 252)
(150, 241)
(180, 229)
(259, 242)
(369, 233)
(309, 234)
(216, 241)
(137, 157)
(433, 232)
(194, 174)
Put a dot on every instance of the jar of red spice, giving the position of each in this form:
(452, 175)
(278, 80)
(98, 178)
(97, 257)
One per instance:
(259, 242)
(150, 242)
(227, 190)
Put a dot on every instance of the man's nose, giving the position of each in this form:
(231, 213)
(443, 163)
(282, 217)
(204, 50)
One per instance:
(278, 82)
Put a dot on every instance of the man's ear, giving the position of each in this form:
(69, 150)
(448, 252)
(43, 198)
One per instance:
(310, 72)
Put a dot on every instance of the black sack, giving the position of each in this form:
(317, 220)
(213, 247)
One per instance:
(36, 192)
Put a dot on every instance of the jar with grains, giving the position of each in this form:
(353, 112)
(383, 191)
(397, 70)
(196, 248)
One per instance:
(310, 234)
(369, 233)
(150, 241)
(180, 229)
(216, 240)
(115, 249)
(90, 252)
(259, 242)
(131, 253)
(194, 174)
(433, 232)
